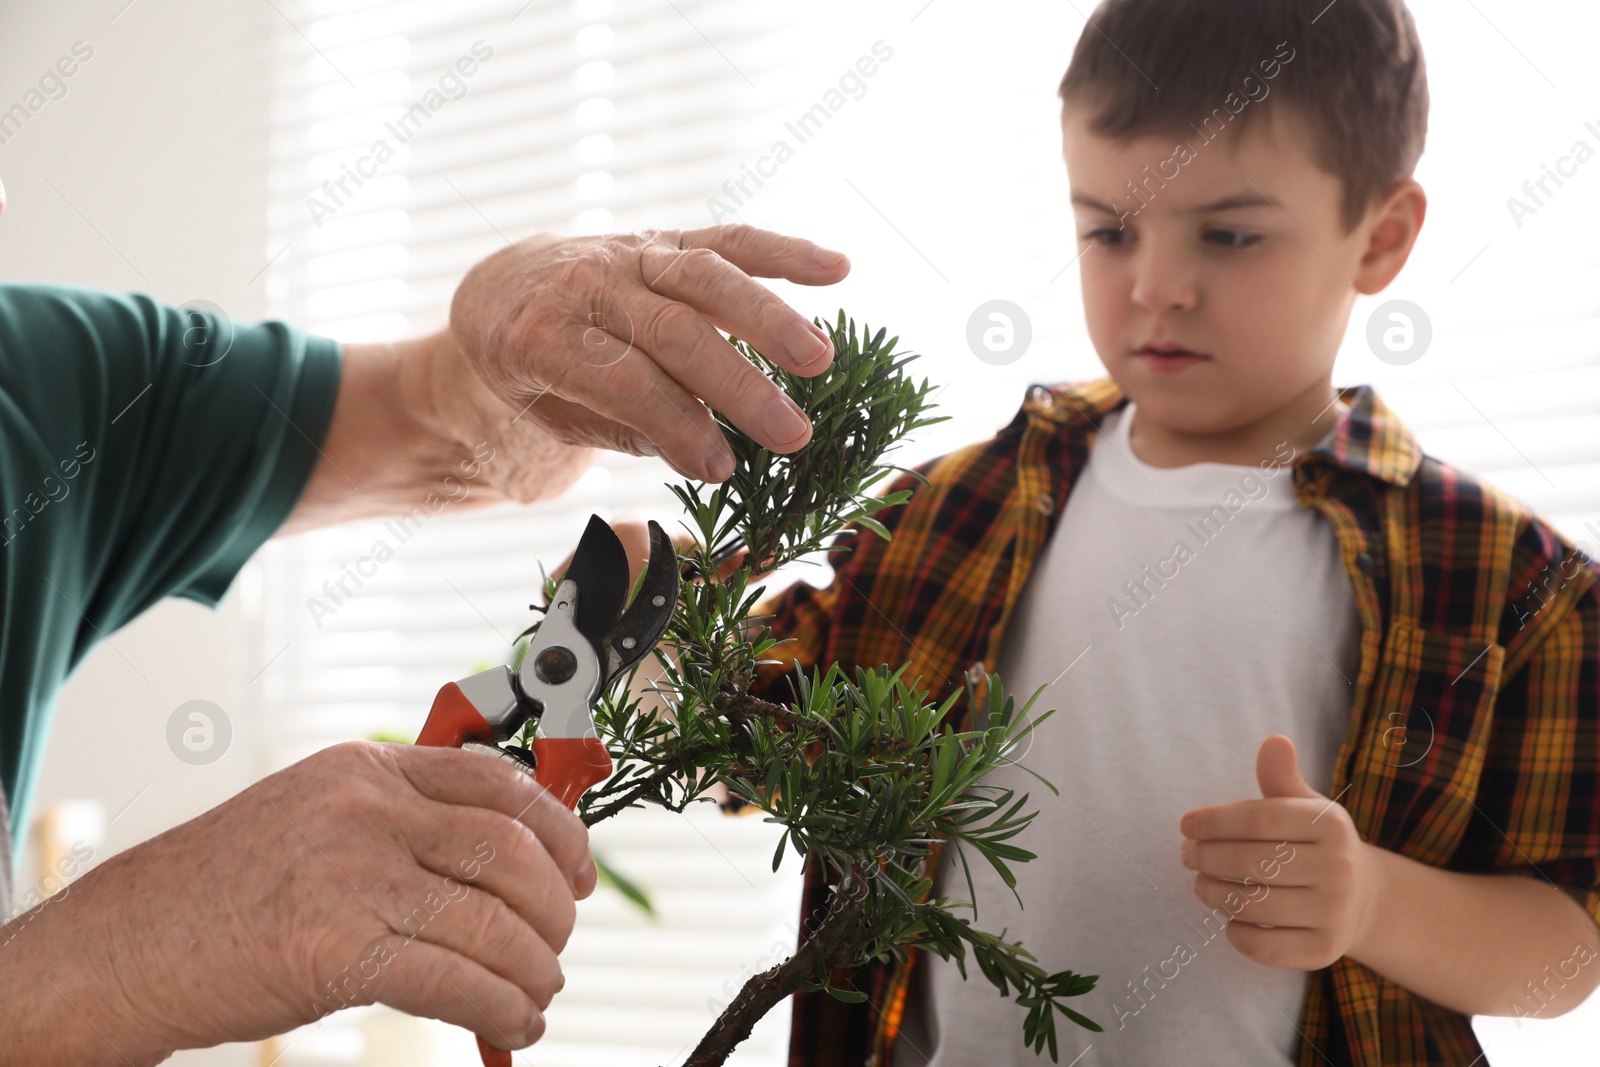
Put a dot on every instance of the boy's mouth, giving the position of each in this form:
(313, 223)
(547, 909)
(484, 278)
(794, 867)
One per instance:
(1166, 358)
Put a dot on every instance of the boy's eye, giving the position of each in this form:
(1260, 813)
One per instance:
(1108, 235)
(1231, 238)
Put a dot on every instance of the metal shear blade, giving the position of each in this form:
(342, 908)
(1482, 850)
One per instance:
(585, 640)
(646, 619)
(600, 569)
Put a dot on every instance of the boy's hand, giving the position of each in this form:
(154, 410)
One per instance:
(1289, 868)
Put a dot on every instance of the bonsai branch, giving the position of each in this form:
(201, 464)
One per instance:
(832, 945)
(737, 707)
(740, 707)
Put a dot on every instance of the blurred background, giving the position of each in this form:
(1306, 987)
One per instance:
(187, 157)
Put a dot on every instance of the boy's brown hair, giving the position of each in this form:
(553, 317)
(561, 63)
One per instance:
(1352, 69)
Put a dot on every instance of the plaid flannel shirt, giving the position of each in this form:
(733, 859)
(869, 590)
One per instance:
(1473, 742)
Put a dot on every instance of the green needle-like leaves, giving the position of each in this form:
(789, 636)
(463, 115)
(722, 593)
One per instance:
(866, 777)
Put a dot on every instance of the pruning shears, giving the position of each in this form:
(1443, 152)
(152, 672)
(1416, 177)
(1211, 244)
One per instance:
(584, 643)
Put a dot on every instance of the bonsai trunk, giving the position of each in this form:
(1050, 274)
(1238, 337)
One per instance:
(827, 948)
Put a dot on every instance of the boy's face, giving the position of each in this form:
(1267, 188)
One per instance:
(1221, 296)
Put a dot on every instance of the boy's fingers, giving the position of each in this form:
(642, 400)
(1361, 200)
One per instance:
(1278, 819)
(1276, 942)
(1258, 903)
(1271, 864)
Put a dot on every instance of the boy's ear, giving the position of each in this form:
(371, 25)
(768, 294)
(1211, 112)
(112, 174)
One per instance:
(1391, 227)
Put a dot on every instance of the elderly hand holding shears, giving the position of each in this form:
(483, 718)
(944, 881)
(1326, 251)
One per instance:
(338, 881)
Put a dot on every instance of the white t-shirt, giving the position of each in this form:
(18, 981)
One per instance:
(1179, 617)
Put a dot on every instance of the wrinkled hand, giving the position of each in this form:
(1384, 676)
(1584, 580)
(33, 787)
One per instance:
(1289, 869)
(437, 881)
(612, 341)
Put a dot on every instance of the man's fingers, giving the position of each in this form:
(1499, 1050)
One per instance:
(572, 423)
(769, 255)
(476, 780)
(578, 333)
(436, 983)
(506, 859)
(702, 361)
(477, 923)
(700, 280)
(638, 394)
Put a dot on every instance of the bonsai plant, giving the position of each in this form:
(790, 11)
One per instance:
(862, 771)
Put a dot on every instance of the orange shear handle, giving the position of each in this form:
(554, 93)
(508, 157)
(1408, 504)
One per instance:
(567, 766)
(453, 721)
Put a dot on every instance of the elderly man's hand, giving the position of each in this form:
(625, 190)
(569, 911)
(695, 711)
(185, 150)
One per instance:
(612, 341)
(437, 881)
(557, 346)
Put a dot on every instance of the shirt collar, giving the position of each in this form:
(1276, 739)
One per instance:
(1369, 440)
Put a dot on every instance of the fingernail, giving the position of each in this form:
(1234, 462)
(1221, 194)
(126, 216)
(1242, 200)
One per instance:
(719, 465)
(822, 335)
(535, 1028)
(828, 258)
(783, 421)
(1184, 852)
(805, 347)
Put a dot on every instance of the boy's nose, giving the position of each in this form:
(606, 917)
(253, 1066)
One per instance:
(1162, 282)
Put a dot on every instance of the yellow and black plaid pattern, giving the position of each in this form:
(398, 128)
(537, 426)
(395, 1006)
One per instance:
(1480, 626)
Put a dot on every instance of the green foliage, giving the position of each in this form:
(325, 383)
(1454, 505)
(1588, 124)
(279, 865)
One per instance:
(631, 891)
(863, 773)
(788, 506)
(889, 780)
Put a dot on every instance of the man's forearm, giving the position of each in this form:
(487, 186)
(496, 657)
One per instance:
(61, 1000)
(1479, 944)
(413, 426)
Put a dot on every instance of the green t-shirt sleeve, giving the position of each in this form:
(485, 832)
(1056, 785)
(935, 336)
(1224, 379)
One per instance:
(145, 451)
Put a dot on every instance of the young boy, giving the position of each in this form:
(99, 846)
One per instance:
(1327, 731)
